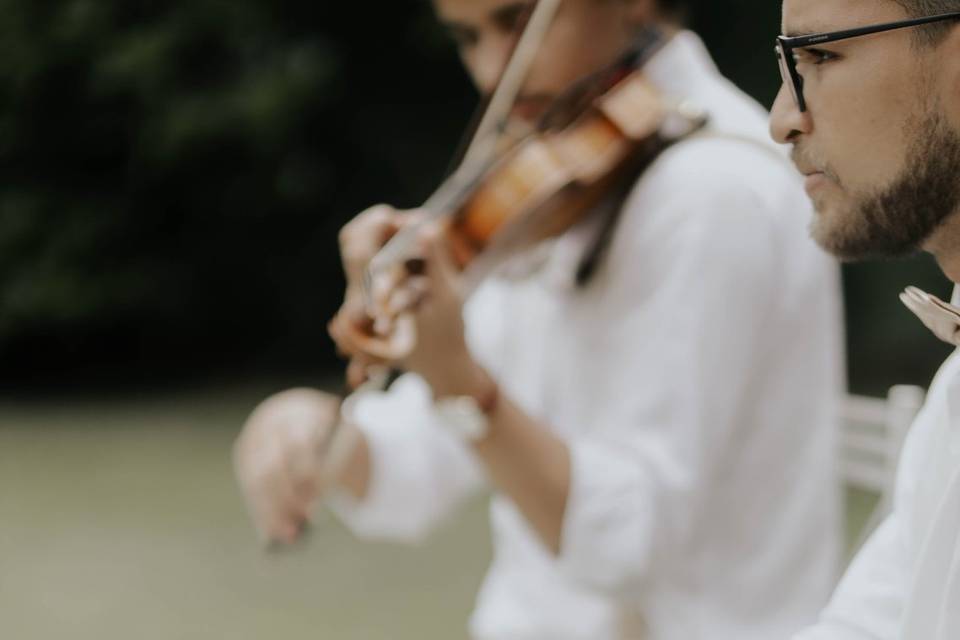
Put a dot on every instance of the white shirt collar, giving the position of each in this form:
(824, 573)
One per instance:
(942, 318)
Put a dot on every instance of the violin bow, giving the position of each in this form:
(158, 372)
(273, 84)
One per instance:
(511, 81)
(482, 147)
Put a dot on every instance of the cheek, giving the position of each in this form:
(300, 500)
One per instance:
(861, 138)
(871, 103)
(484, 62)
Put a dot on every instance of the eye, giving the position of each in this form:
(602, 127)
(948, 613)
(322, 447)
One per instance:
(815, 57)
(513, 18)
(463, 37)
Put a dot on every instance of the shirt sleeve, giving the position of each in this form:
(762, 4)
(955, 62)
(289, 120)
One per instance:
(420, 472)
(704, 261)
(868, 603)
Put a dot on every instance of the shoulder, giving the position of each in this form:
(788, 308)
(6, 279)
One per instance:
(726, 163)
(724, 208)
(717, 181)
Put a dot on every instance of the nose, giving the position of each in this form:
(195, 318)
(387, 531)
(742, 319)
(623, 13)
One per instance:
(786, 120)
(487, 60)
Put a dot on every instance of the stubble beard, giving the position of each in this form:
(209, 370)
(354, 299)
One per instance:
(896, 220)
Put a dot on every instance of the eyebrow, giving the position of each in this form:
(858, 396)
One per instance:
(454, 26)
(801, 33)
(507, 14)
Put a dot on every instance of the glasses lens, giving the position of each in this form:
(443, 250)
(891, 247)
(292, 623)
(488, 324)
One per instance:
(786, 73)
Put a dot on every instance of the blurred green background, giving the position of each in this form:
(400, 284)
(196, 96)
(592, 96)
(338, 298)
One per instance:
(119, 520)
(174, 173)
(172, 177)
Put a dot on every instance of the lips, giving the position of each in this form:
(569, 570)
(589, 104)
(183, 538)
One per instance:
(812, 177)
(813, 182)
(532, 105)
(529, 110)
(802, 161)
(806, 170)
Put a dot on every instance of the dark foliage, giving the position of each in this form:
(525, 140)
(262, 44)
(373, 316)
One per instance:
(172, 174)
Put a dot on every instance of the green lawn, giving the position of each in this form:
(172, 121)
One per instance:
(119, 519)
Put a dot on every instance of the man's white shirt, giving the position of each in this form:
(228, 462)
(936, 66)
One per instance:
(695, 380)
(905, 582)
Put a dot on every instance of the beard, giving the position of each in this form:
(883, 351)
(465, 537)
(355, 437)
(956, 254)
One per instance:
(896, 220)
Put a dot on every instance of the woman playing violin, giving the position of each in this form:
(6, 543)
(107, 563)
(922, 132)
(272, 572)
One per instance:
(650, 394)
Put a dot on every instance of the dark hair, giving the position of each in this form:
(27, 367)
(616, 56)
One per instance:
(677, 11)
(932, 34)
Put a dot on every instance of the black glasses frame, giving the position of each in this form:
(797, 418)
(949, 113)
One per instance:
(786, 45)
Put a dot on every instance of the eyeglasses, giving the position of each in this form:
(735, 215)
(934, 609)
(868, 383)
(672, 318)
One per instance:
(786, 45)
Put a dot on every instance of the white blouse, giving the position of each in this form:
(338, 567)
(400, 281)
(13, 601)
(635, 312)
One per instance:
(695, 380)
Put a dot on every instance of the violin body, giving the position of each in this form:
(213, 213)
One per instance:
(549, 182)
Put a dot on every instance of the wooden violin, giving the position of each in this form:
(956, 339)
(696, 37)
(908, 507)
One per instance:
(507, 196)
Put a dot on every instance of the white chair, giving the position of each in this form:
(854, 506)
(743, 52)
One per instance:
(871, 437)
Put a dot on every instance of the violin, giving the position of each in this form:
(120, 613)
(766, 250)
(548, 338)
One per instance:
(508, 195)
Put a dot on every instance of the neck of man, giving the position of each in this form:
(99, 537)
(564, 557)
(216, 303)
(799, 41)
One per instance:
(944, 244)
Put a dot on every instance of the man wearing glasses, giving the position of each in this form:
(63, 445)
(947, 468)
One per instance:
(871, 105)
